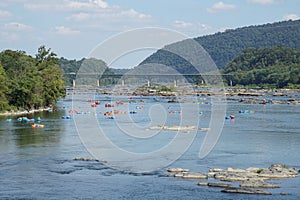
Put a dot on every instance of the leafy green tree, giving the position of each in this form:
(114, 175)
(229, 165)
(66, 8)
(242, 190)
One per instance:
(4, 89)
(53, 84)
(28, 82)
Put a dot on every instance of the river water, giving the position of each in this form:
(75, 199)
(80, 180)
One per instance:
(38, 163)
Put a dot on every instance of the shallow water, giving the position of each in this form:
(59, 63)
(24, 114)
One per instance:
(38, 163)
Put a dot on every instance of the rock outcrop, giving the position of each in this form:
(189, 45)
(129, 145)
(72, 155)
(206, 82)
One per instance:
(251, 180)
(245, 191)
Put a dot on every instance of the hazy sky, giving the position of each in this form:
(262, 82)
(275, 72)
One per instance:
(72, 28)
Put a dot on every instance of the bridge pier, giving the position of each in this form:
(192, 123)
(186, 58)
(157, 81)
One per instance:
(74, 84)
(148, 83)
(123, 82)
(175, 83)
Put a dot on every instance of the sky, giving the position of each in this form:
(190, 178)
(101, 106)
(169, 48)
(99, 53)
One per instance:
(73, 28)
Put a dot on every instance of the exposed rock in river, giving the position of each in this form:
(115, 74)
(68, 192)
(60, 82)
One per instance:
(245, 191)
(177, 170)
(250, 179)
(173, 128)
(195, 175)
(257, 183)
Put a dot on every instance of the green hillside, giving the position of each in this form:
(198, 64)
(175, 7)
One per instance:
(276, 67)
(223, 47)
(71, 68)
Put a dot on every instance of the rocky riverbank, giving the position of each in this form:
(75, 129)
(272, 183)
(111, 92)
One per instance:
(250, 181)
(253, 96)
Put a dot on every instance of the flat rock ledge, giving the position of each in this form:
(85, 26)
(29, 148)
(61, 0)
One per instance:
(177, 170)
(251, 180)
(173, 128)
(245, 191)
(88, 159)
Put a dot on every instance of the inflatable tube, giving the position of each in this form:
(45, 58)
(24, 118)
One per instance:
(37, 125)
(66, 117)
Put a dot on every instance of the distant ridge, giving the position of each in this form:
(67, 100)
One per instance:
(223, 47)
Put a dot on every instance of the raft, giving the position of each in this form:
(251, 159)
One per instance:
(107, 105)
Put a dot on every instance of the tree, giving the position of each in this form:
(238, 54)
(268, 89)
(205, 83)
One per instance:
(4, 89)
(28, 82)
(53, 84)
(46, 56)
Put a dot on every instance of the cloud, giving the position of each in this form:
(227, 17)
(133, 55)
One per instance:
(80, 16)
(182, 24)
(4, 14)
(192, 29)
(134, 14)
(110, 14)
(112, 18)
(65, 30)
(66, 5)
(17, 26)
(91, 4)
(3, 4)
(291, 17)
(221, 6)
(263, 2)
(92, 13)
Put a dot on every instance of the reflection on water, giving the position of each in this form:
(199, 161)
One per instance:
(21, 135)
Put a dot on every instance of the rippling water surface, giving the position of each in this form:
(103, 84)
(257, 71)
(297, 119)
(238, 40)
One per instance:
(38, 163)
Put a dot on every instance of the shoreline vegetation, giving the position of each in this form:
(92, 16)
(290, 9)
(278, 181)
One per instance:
(29, 83)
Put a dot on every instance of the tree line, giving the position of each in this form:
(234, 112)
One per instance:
(72, 69)
(29, 82)
(223, 47)
(274, 67)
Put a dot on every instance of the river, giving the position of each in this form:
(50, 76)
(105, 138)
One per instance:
(38, 163)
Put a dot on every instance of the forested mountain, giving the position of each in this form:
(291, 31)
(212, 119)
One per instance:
(223, 47)
(275, 66)
(71, 68)
(29, 82)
